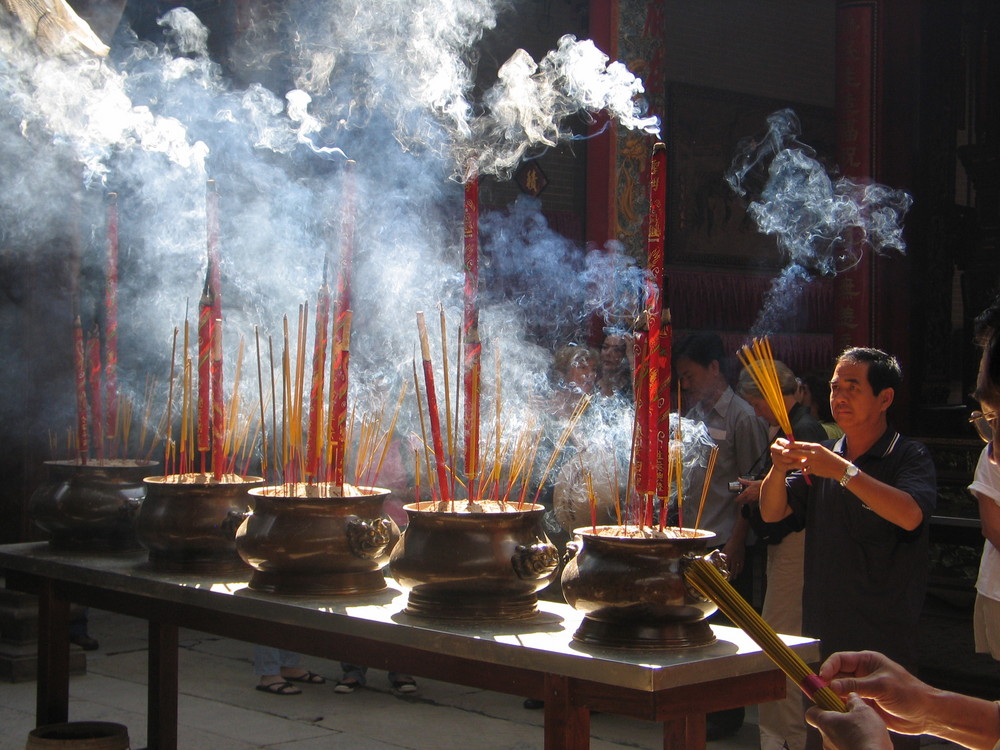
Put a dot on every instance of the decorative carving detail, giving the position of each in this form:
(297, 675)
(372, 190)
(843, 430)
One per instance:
(534, 561)
(368, 538)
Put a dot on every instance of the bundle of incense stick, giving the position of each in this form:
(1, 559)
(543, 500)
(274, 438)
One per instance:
(704, 486)
(504, 466)
(705, 577)
(758, 359)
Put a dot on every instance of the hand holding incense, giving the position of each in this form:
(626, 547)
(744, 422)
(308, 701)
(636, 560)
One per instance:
(758, 359)
(705, 577)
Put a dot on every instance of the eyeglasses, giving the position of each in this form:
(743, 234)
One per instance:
(984, 424)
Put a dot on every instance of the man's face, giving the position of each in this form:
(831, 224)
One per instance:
(851, 398)
(696, 381)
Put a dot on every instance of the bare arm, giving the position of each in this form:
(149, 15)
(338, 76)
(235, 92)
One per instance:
(989, 513)
(910, 706)
(891, 503)
(773, 494)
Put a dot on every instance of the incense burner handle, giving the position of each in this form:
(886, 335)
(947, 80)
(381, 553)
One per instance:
(572, 550)
(716, 558)
(232, 522)
(369, 538)
(533, 561)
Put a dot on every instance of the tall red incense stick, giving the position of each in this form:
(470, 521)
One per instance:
(658, 403)
(338, 396)
(204, 410)
(342, 332)
(645, 481)
(111, 322)
(432, 410)
(315, 437)
(93, 355)
(215, 286)
(218, 404)
(80, 376)
(472, 356)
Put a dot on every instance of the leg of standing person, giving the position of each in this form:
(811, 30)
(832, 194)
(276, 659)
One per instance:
(354, 677)
(277, 669)
(78, 634)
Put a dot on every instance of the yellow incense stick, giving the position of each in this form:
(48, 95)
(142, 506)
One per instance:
(705, 577)
(704, 487)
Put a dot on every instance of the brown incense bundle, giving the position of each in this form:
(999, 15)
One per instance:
(705, 577)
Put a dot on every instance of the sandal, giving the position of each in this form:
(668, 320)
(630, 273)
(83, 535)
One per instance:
(310, 678)
(404, 686)
(279, 688)
(346, 686)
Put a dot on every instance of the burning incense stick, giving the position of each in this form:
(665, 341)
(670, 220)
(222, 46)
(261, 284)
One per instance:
(658, 403)
(93, 356)
(447, 390)
(705, 577)
(704, 487)
(578, 412)
(214, 281)
(204, 372)
(432, 410)
(169, 443)
(260, 401)
(758, 359)
(317, 388)
(218, 403)
(338, 395)
(80, 373)
(111, 319)
(473, 348)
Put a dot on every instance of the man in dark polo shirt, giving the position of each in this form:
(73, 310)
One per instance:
(865, 514)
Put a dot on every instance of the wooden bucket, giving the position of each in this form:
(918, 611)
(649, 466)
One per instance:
(79, 735)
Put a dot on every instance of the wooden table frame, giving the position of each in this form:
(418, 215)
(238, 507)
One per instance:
(535, 659)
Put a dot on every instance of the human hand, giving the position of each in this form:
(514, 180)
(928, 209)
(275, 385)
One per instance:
(860, 728)
(895, 695)
(735, 552)
(811, 458)
(751, 491)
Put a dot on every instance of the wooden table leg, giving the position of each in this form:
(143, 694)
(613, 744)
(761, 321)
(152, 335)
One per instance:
(686, 733)
(52, 689)
(567, 727)
(161, 720)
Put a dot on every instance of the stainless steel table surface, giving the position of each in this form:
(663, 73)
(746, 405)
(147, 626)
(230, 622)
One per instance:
(536, 657)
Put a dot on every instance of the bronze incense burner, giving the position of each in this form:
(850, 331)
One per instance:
(485, 563)
(91, 506)
(304, 539)
(630, 584)
(188, 522)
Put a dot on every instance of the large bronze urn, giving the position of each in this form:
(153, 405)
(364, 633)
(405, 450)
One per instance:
(487, 561)
(308, 539)
(188, 522)
(91, 506)
(630, 584)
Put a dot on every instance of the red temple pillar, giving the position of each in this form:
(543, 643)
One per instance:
(857, 112)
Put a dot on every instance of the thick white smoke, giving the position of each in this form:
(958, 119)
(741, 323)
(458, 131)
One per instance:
(821, 225)
(387, 83)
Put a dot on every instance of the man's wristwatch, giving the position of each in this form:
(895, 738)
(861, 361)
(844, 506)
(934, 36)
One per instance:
(849, 473)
